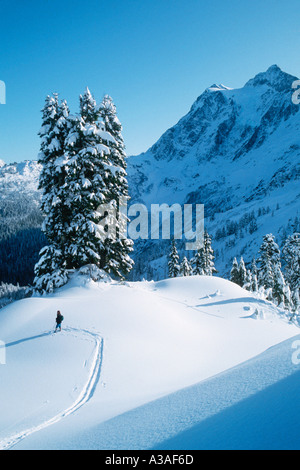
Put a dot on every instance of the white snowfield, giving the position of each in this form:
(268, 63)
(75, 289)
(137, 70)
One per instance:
(177, 364)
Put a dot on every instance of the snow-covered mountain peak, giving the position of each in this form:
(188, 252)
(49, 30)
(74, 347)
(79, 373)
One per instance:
(22, 177)
(219, 87)
(274, 77)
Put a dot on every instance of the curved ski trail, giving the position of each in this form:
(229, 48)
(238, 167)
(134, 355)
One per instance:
(85, 395)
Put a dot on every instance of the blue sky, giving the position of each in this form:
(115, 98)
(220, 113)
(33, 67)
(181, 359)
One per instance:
(154, 57)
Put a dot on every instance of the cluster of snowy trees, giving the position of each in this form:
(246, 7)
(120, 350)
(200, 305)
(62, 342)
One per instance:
(9, 293)
(83, 167)
(267, 276)
(201, 264)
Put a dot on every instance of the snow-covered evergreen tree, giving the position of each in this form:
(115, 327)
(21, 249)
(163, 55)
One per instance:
(203, 261)
(248, 284)
(83, 175)
(281, 291)
(88, 107)
(198, 263)
(295, 304)
(235, 274)
(242, 273)
(88, 172)
(50, 271)
(254, 273)
(291, 253)
(270, 274)
(185, 267)
(254, 268)
(269, 259)
(174, 262)
(254, 283)
(117, 250)
(208, 256)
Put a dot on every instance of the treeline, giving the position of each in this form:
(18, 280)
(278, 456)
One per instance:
(201, 264)
(248, 223)
(9, 293)
(275, 275)
(265, 275)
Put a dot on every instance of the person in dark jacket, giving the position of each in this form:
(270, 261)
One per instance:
(59, 320)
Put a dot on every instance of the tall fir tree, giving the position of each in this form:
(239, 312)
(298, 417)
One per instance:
(269, 258)
(88, 172)
(173, 263)
(198, 263)
(295, 304)
(235, 273)
(50, 271)
(254, 283)
(291, 253)
(248, 284)
(254, 268)
(208, 256)
(88, 107)
(242, 273)
(118, 248)
(270, 274)
(254, 273)
(185, 267)
(281, 292)
(203, 261)
(83, 171)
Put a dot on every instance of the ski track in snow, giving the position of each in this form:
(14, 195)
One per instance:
(85, 395)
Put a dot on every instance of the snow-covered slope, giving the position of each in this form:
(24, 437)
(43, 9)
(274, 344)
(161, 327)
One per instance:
(125, 346)
(237, 152)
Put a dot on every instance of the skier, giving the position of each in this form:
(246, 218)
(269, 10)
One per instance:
(59, 320)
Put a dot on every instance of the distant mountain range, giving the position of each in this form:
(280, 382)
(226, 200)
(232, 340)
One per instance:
(237, 152)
